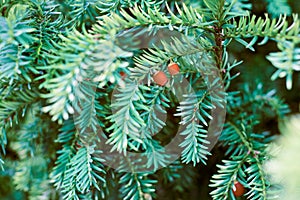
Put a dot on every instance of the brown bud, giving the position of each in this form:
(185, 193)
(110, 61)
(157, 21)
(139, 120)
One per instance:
(173, 68)
(160, 78)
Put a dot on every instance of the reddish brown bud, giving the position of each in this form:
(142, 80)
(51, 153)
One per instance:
(173, 68)
(160, 78)
(238, 189)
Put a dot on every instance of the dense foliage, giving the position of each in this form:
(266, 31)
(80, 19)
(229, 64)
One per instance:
(82, 115)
